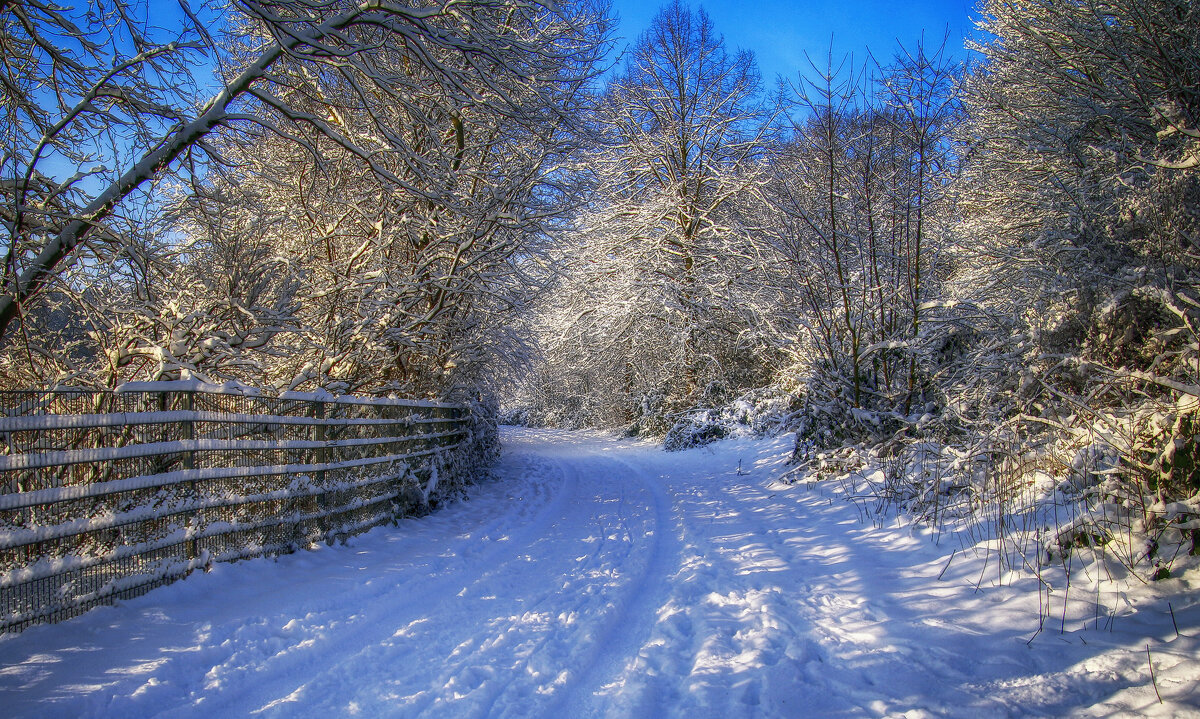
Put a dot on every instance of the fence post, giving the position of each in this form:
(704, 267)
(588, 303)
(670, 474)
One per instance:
(321, 457)
(188, 427)
(187, 404)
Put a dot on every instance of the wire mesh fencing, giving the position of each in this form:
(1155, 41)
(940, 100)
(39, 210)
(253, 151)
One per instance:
(106, 495)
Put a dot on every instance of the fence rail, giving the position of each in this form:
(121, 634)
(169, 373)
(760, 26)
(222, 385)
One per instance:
(106, 495)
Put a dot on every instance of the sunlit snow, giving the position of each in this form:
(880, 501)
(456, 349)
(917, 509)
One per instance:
(601, 578)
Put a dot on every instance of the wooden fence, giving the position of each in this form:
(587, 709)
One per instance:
(106, 495)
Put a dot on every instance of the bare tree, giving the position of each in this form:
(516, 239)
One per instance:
(858, 216)
(427, 109)
(920, 95)
(681, 136)
(816, 231)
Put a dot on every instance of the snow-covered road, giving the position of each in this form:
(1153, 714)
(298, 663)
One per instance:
(597, 578)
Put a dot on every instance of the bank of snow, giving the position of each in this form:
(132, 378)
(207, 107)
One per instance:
(594, 577)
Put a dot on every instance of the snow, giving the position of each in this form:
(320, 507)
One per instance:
(596, 577)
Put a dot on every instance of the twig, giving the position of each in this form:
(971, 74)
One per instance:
(1172, 610)
(987, 555)
(1153, 680)
(1035, 634)
(951, 559)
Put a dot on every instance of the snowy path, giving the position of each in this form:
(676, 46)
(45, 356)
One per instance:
(603, 578)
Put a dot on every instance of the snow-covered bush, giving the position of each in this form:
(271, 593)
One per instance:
(696, 429)
(522, 416)
(757, 413)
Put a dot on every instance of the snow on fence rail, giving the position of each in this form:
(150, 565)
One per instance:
(108, 494)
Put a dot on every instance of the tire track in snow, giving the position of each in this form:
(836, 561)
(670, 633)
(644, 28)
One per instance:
(632, 621)
(587, 652)
(465, 663)
(727, 638)
(598, 579)
(502, 668)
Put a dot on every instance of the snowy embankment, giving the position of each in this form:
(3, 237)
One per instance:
(594, 577)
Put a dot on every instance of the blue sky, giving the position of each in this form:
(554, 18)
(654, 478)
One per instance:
(781, 31)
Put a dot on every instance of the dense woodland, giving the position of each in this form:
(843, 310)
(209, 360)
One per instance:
(996, 264)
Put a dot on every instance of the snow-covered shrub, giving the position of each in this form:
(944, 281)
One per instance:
(1178, 464)
(756, 413)
(651, 413)
(695, 429)
(1133, 329)
(523, 416)
(827, 416)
